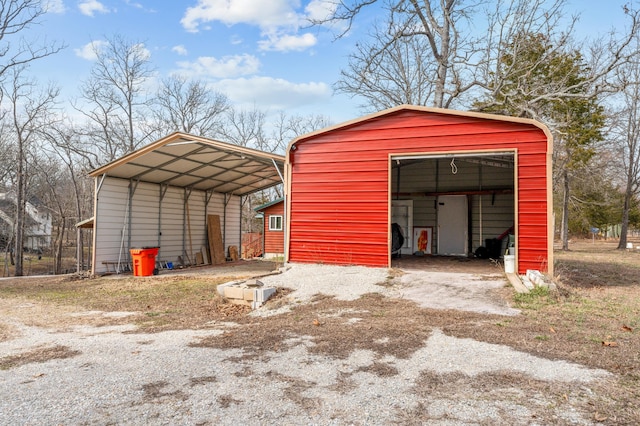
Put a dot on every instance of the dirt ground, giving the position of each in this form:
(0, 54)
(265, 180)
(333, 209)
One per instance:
(593, 320)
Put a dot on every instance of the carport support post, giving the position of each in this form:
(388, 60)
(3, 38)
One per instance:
(207, 199)
(224, 223)
(163, 191)
(187, 194)
(243, 200)
(133, 185)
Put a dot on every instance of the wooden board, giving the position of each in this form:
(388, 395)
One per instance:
(215, 239)
(199, 260)
(205, 255)
(233, 253)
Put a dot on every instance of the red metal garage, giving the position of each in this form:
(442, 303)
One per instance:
(459, 178)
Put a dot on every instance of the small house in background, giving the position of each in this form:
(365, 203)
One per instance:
(38, 224)
(273, 228)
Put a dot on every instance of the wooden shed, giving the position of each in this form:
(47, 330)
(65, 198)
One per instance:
(454, 181)
(273, 228)
(170, 193)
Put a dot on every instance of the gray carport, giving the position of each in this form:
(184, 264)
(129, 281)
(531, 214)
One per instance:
(162, 194)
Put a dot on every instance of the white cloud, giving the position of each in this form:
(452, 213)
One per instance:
(88, 51)
(226, 67)
(288, 42)
(320, 9)
(134, 4)
(236, 39)
(54, 6)
(278, 20)
(142, 50)
(180, 50)
(90, 7)
(266, 14)
(273, 93)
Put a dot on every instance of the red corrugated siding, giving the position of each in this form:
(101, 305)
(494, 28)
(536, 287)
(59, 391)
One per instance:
(339, 183)
(273, 240)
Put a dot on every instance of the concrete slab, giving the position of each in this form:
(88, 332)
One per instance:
(454, 290)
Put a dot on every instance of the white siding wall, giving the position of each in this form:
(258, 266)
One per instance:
(497, 217)
(112, 217)
(172, 239)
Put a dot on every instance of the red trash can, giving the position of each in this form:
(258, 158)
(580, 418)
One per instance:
(144, 260)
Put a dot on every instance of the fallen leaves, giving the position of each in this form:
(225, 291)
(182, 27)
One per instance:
(626, 328)
(599, 418)
(232, 310)
(609, 344)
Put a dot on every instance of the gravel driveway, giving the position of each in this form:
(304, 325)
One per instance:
(111, 375)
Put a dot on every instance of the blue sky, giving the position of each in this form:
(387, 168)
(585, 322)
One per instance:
(257, 52)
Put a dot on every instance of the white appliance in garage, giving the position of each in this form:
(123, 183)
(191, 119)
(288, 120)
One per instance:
(452, 225)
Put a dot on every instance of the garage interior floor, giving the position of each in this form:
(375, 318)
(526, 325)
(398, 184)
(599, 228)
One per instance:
(460, 264)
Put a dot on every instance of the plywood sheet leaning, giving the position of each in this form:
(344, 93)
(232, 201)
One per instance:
(215, 239)
(205, 255)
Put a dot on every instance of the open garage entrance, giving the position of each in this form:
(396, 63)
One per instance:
(453, 204)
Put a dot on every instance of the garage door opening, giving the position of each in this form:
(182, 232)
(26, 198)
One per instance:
(455, 205)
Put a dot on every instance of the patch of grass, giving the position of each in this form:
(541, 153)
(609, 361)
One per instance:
(42, 354)
(163, 302)
(535, 299)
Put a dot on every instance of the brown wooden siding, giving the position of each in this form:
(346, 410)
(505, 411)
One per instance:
(274, 240)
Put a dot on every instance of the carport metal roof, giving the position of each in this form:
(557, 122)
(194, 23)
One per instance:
(189, 161)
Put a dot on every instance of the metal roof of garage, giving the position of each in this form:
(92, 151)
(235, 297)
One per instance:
(189, 161)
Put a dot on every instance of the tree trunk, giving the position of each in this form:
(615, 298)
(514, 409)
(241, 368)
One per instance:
(57, 258)
(564, 230)
(20, 211)
(625, 218)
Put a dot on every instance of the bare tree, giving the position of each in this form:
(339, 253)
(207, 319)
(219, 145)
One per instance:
(396, 75)
(285, 128)
(73, 187)
(31, 111)
(462, 44)
(189, 106)
(433, 23)
(16, 16)
(246, 127)
(511, 72)
(116, 96)
(625, 136)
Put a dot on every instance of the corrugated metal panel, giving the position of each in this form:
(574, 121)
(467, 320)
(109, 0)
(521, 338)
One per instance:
(184, 160)
(112, 218)
(173, 230)
(340, 178)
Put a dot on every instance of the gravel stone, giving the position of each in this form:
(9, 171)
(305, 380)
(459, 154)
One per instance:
(139, 379)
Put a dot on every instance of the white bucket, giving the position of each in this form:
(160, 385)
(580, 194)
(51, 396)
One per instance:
(630, 246)
(509, 263)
